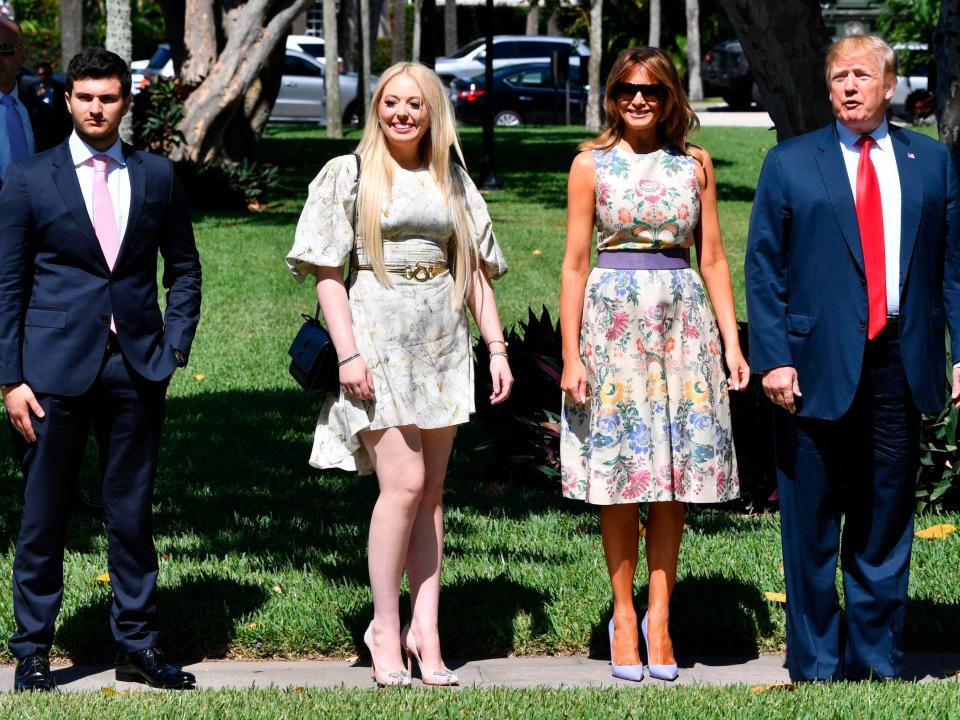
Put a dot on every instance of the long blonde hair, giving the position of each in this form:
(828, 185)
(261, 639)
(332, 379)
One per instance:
(678, 119)
(376, 177)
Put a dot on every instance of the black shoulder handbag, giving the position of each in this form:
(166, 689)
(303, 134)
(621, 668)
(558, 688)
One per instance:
(313, 358)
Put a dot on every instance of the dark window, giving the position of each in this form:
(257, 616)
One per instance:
(505, 50)
(535, 49)
(314, 49)
(293, 65)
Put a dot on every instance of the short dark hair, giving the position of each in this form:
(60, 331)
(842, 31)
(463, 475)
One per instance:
(44, 65)
(98, 63)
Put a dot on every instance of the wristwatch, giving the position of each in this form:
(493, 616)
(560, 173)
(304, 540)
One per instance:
(181, 360)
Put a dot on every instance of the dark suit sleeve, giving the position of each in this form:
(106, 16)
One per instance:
(181, 272)
(16, 224)
(765, 269)
(951, 266)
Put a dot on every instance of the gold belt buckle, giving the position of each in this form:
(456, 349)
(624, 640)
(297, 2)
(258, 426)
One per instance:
(419, 272)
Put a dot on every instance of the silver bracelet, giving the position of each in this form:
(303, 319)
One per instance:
(346, 360)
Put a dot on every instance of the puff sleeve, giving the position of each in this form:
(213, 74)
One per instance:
(325, 235)
(489, 249)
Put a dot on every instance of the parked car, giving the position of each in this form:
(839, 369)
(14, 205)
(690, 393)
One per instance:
(726, 71)
(143, 72)
(303, 96)
(523, 94)
(311, 45)
(470, 60)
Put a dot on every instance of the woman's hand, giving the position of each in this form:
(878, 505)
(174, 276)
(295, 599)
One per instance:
(502, 379)
(574, 381)
(356, 379)
(739, 370)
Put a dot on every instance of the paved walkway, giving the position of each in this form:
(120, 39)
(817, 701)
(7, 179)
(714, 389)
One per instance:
(578, 671)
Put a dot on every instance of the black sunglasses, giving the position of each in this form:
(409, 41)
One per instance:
(8, 50)
(652, 91)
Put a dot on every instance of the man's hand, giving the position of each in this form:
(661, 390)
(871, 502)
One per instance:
(955, 394)
(780, 385)
(20, 402)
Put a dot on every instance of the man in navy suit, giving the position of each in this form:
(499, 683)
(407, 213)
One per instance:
(852, 270)
(83, 343)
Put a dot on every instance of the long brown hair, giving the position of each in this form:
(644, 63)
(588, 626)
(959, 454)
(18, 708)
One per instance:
(678, 119)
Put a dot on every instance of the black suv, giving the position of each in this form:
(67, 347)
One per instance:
(726, 72)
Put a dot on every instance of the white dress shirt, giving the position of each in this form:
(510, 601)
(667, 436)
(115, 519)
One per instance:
(885, 163)
(118, 179)
(5, 158)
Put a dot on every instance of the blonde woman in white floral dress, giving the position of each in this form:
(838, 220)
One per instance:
(425, 249)
(646, 413)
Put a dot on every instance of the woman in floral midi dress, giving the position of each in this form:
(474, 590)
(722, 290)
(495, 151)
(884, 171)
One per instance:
(646, 414)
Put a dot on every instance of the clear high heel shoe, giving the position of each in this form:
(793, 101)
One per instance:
(624, 672)
(660, 672)
(399, 678)
(440, 676)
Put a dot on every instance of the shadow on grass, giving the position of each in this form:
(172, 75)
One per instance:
(197, 619)
(478, 617)
(732, 625)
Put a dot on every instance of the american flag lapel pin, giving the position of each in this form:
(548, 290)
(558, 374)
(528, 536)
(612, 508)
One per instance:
(911, 156)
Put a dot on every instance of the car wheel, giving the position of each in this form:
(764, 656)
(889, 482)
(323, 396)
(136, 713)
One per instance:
(508, 118)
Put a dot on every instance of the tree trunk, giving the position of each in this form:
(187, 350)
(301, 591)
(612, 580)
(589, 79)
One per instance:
(553, 24)
(398, 29)
(331, 80)
(71, 30)
(947, 48)
(595, 95)
(654, 23)
(200, 36)
(786, 43)
(229, 109)
(120, 40)
(347, 32)
(694, 83)
(363, 91)
(533, 18)
(449, 27)
(417, 30)
(428, 32)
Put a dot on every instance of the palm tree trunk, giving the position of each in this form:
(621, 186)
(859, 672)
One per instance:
(694, 83)
(398, 28)
(120, 41)
(449, 27)
(71, 30)
(654, 23)
(417, 30)
(331, 80)
(595, 95)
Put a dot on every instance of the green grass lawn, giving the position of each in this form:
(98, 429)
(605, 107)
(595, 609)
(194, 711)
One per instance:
(263, 556)
(933, 702)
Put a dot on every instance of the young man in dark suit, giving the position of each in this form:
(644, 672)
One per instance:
(83, 343)
(852, 271)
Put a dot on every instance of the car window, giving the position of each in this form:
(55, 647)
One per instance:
(505, 50)
(535, 79)
(293, 65)
(468, 48)
(535, 49)
(315, 49)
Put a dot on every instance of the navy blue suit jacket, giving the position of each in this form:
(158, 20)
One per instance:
(806, 287)
(57, 292)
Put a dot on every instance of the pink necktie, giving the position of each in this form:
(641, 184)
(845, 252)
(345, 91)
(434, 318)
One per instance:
(104, 217)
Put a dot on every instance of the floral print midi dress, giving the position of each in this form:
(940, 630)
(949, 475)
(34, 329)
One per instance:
(656, 425)
(412, 335)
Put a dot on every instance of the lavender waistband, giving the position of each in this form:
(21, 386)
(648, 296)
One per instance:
(669, 259)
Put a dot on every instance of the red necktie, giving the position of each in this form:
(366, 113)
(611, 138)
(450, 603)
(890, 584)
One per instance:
(870, 220)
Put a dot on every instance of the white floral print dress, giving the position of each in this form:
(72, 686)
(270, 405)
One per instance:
(656, 426)
(416, 343)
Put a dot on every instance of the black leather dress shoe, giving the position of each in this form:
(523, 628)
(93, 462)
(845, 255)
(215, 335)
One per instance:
(148, 666)
(33, 673)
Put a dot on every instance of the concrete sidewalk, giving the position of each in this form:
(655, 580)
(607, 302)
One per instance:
(577, 671)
